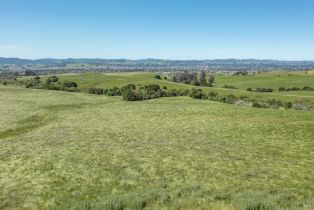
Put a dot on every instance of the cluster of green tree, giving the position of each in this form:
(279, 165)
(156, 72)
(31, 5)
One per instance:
(243, 73)
(229, 87)
(240, 100)
(294, 88)
(132, 92)
(51, 83)
(193, 78)
(261, 90)
(157, 76)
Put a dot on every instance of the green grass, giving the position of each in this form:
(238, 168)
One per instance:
(61, 150)
(270, 80)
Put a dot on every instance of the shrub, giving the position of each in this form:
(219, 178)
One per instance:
(263, 90)
(288, 105)
(249, 89)
(97, 91)
(132, 95)
(70, 84)
(157, 76)
(4, 83)
(229, 87)
(257, 104)
(127, 87)
(152, 88)
(281, 89)
(52, 79)
(197, 93)
(195, 82)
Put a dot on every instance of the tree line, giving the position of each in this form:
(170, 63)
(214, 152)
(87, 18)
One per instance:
(193, 78)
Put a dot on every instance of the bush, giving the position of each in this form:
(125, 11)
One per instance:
(280, 89)
(288, 105)
(197, 93)
(195, 82)
(257, 104)
(70, 84)
(229, 87)
(4, 83)
(263, 90)
(157, 76)
(115, 91)
(52, 79)
(97, 91)
(132, 95)
(127, 87)
(152, 88)
(249, 89)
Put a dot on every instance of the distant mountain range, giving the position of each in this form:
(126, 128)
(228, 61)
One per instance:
(150, 64)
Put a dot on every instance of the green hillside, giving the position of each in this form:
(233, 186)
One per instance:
(63, 150)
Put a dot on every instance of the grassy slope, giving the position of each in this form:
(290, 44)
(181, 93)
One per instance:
(241, 82)
(60, 148)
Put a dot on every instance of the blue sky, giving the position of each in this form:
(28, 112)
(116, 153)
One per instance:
(168, 29)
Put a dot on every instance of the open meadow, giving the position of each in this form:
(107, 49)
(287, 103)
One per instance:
(241, 83)
(62, 150)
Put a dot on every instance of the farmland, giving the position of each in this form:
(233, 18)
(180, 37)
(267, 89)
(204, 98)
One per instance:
(63, 150)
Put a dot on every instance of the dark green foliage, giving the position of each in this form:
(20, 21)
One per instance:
(132, 95)
(281, 89)
(96, 91)
(288, 105)
(195, 82)
(229, 87)
(197, 93)
(52, 79)
(263, 90)
(243, 73)
(4, 83)
(151, 88)
(211, 79)
(70, 84)
(157, 76)
(249, 89)
(165, 87)
(115, 91)
(257, 104)
(295, 88)
(203, 78)
(29, 73)
(127, 87)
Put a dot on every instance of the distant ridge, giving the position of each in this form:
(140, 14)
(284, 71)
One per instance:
(150, 64)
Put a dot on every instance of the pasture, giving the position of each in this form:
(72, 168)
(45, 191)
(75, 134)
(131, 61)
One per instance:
(62, 150)
(267, 80)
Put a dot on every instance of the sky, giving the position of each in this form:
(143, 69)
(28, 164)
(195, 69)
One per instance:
(165, 29)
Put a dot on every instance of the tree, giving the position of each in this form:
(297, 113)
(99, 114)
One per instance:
(211, 79)
(70, 84)
(157, 76)
(52, 79)
(131, 95)
(197, 93)
(202, 78)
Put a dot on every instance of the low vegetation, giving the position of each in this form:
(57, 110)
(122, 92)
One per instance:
(64, 150)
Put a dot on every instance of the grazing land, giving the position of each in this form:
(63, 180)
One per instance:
(64, 150)
(267, 80)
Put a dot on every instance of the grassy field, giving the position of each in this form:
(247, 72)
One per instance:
(267, 80)
(63, 150)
